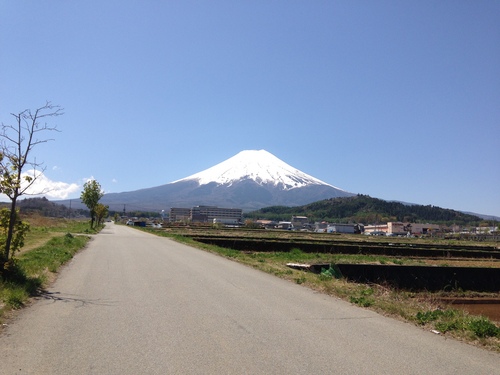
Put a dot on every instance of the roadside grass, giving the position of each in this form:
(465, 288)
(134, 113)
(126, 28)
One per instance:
(49, 247)
(43, 229)
(423, 309)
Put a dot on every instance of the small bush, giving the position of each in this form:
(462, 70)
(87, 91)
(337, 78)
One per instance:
(16, 298)
(449, 325)
(444, 316)
(424, 317)
(364, 299)
(483, 327)
(455, 320)
(300, 280)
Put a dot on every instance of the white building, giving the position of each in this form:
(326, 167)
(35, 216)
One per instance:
(395, 227)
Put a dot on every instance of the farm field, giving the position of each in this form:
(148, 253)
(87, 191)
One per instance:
(433, 310)
(413, 250)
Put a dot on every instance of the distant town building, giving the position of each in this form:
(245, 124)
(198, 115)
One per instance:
(345, 228)
(207, 214)
(267, 224)
(287, 225)
(180, 214)
(396, 227)
(401, 228)
(416, 228)
(299, 221)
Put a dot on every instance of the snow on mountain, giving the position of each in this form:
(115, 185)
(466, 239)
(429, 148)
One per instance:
(257, 165)
(249, 180)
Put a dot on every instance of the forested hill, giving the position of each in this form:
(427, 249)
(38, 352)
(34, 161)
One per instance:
(366, 210)
(44, 207)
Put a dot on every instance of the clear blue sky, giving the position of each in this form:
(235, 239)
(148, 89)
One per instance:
(399, 100)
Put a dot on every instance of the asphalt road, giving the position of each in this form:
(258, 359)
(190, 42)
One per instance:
(134, 303)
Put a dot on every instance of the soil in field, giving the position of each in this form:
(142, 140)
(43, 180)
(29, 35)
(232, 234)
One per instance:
(488, 307)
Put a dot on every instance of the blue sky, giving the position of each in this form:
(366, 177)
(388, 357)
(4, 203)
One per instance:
(399, 100)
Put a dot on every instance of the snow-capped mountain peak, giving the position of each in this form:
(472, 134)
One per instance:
(249, 180)
(259, 166)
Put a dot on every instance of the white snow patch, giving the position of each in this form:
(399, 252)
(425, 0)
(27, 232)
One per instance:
(259, 166)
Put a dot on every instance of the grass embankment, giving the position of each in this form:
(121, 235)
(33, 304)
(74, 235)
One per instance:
(424, 309)
(49, 244)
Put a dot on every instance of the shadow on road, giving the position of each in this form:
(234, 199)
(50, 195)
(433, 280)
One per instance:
(58, 297)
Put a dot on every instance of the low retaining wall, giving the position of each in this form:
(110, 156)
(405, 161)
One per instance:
(414, 250)
(424, 277)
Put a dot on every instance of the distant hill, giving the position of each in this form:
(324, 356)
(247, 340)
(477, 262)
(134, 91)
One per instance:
(366, 210)
(42, 206)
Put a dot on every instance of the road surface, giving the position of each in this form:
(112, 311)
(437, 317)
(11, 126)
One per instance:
(135, 303)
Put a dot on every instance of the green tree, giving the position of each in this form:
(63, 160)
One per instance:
(18, 234)
(101, 211)
(17, 141)
(90, 196)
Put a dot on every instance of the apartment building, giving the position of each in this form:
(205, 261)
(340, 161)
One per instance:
(207, 214)
(180, 214)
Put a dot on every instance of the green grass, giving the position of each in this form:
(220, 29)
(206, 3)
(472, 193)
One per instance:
(452, 320)
(363, 298)
(52, 255)
(483, 327)
(30, 270)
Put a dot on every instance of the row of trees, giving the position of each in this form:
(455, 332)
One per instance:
(19, 170)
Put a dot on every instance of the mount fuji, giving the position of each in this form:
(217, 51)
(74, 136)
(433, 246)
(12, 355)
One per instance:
(249, 180)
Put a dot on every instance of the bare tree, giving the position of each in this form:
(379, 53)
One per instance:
(16, 145)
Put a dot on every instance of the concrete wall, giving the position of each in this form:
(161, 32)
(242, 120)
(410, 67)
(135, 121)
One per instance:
(425, 278)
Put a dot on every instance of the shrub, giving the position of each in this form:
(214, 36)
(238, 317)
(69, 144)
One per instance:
(300, 280)
(483, 327)
(16, 297)
(428, 316)
(449, 325)
(364, 299)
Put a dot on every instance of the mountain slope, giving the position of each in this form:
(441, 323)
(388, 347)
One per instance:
(249, 180)
(364, 209)
(261, 167)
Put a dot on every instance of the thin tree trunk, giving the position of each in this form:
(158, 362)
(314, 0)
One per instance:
(10, 233)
